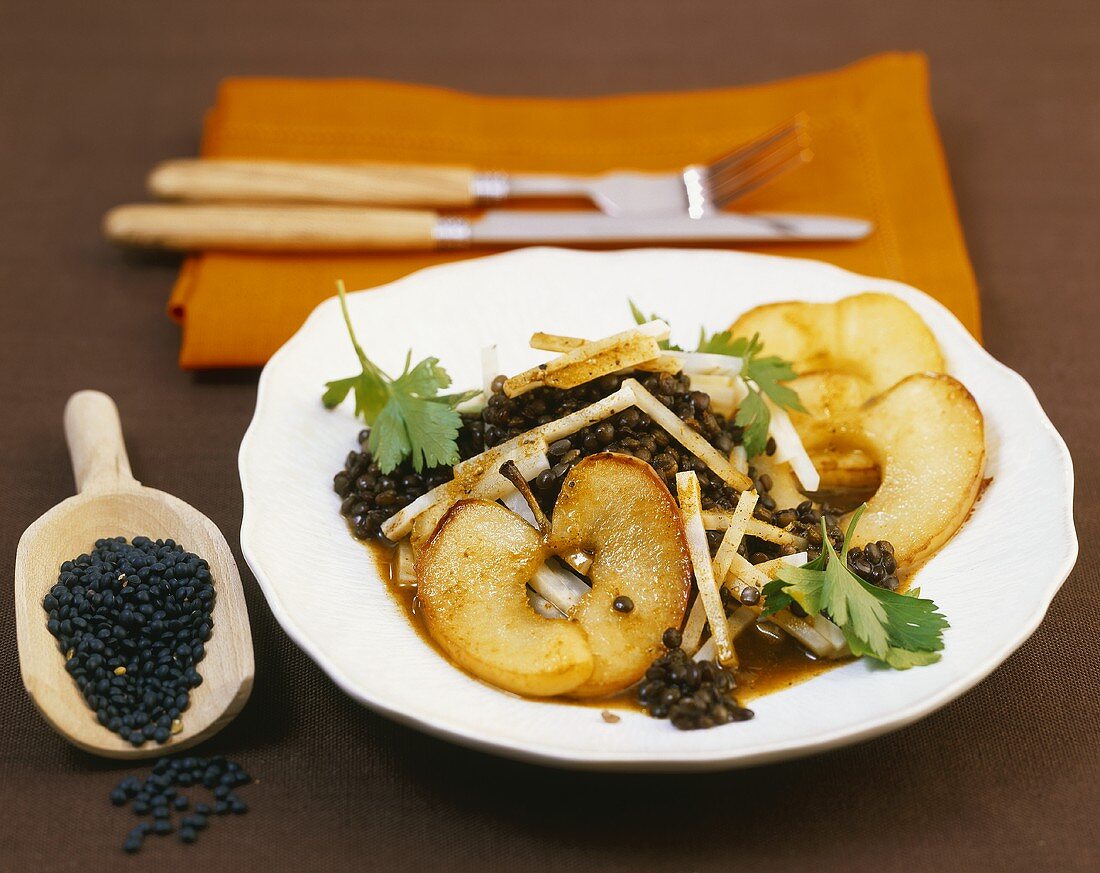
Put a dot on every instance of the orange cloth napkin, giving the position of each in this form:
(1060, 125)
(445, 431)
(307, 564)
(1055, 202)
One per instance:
(876, 154)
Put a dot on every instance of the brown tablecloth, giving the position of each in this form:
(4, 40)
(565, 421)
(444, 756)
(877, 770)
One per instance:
(91, 94)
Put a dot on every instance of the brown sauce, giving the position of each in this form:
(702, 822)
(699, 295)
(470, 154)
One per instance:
(768, 663)
(772, 662)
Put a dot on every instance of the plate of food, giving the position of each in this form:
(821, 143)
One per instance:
(651, 510)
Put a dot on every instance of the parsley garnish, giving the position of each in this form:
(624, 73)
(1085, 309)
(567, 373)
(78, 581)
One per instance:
(764, 377)
(408, 417)
(902, 630)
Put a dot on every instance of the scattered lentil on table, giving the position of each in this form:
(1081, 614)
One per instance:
(158, 794)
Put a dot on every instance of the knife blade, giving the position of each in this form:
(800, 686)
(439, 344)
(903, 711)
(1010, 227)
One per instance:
(508, 227)
(186, 227)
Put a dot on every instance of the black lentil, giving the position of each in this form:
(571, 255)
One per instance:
(690, 694)
(623, 604)
(130, 619)
(875, 563)
(158, 792)
(803, 520)
(368, 497)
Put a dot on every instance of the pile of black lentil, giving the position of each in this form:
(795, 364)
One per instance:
(875, 563)
(691, 694)
(369, 497)
(158, 796)
(132, 620)
(630, 432)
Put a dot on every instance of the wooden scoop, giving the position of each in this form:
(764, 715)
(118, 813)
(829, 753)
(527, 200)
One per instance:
(111, 503)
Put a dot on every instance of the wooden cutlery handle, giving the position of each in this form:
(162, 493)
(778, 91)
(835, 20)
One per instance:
(94, 434)
(184, 227)
(259, 181)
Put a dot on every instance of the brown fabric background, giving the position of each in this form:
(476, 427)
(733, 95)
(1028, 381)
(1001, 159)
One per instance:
(91, 94)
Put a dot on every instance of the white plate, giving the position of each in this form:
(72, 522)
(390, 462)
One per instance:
(994, 580)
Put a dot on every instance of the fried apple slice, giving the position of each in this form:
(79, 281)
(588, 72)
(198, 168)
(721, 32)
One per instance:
(927, 435)
(784, 488)
(473, 576)
(474, 570)
(617, 509)
(827, 392)
(877, 337)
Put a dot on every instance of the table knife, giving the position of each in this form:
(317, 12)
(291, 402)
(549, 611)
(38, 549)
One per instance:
(187, 227)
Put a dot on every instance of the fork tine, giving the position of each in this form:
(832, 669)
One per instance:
(787, 155)
(779, 150)
(747, 151)
(756, 163)
(762, 177)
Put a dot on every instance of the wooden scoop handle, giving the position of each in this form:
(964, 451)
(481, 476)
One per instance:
(98, 452)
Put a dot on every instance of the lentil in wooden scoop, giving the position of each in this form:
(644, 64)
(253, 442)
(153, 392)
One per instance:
(133, 634)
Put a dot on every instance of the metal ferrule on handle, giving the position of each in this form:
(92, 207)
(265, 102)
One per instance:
(451, 232)
(490, 187)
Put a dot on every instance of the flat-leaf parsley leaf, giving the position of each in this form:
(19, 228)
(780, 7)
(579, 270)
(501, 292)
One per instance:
(763, 375)
(408, 417)
(902, 630)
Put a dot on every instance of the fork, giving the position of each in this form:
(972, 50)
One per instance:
(697, 190)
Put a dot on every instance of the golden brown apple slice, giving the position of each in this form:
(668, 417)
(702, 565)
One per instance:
(876, 337)
(826, 393)
(617, 509)
(473, 574)
(927, 436)
(852, 471)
